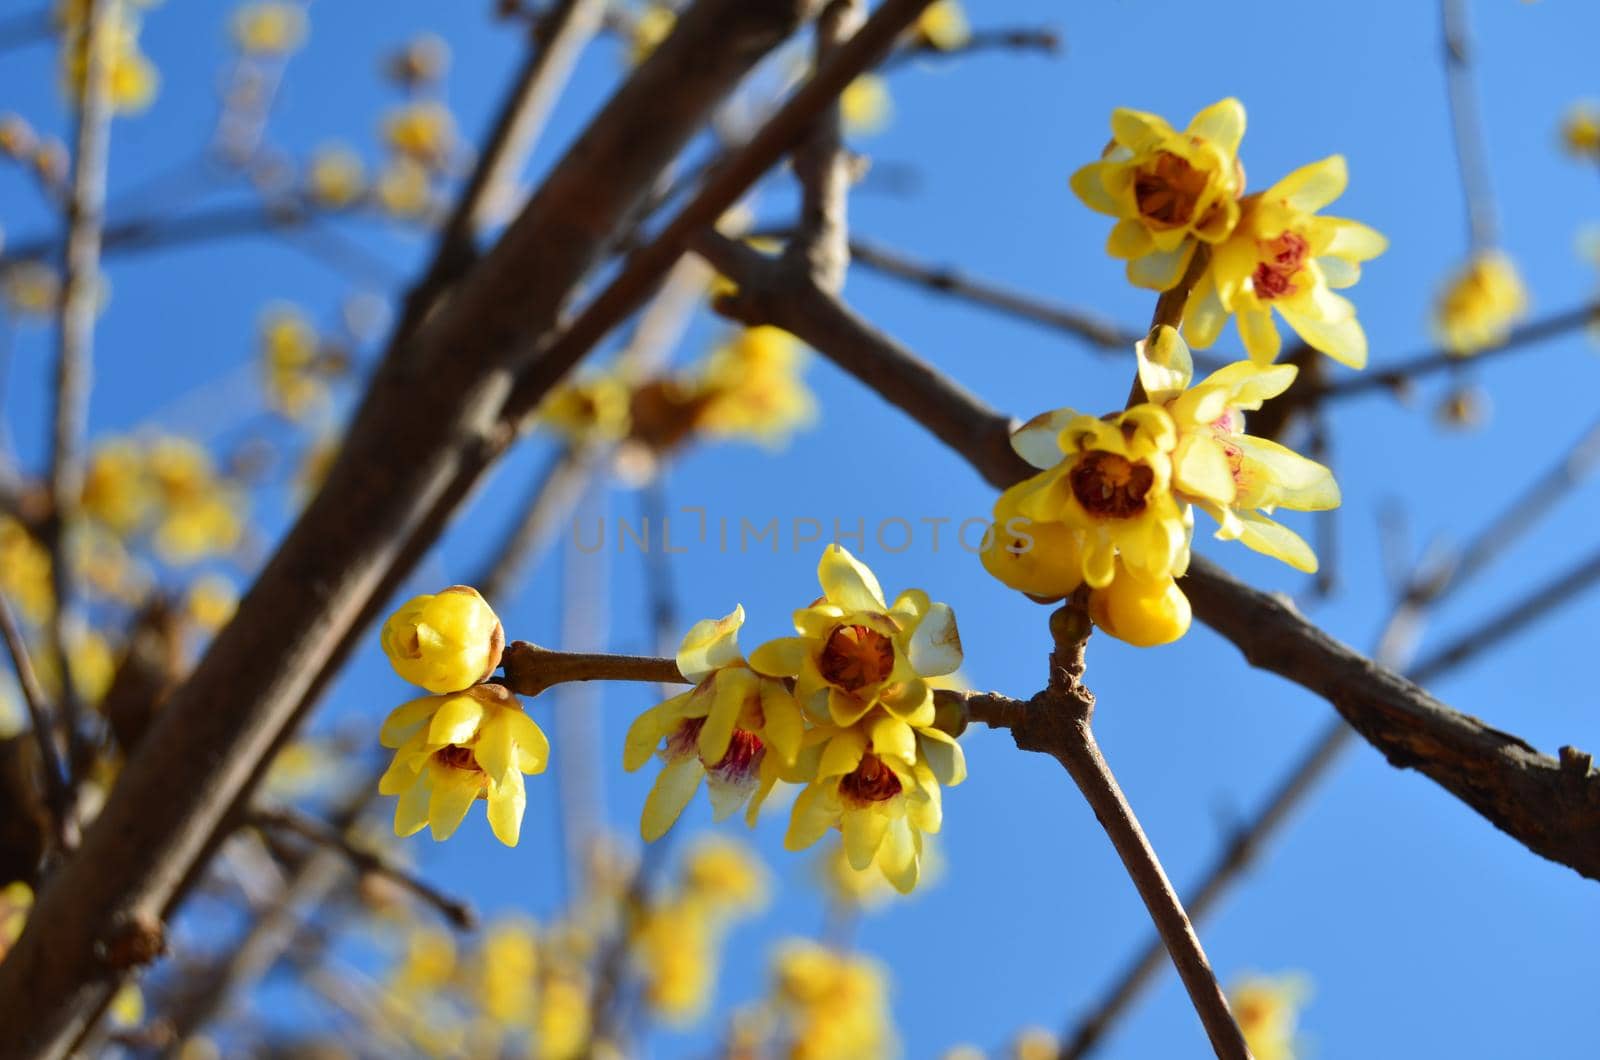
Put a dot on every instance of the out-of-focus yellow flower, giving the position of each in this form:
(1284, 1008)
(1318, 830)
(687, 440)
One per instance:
(132, 77)
(1283, 256)
(834, 1006)
(25, 571)
(1167, 189)
(1234, 476)
(211, 601)
(428, 965)
(1107, 485)
(452, 750)
(561, 1023)
(93, 667)
(1034, 1043)
(30, 289)
(594, 409)
(116, 489)
(200, 514)
(509, 966)
(1268, 1010)
(1479, 304)
(865, 106)
(403, 189)
(751, 387)
(424, 131)
(127, 1007)
(302, 767)
(675, 948)
(269, 27)
(16, 902)
(725, 875)
(1580, 132)
(942, 25)
(17, 137)
(444, 641)
(336, 178)
(288, 348)
(874, 762)
(650, 27)
(722, 730)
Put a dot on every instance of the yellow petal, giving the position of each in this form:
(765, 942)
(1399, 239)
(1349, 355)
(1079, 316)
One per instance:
(507, 801)
(456, 721)
(673, 789)
(1310, 188)
(731, 688)
(783, 657)
(847, 582)
(863, 834)
(783, 726)
(1260, 335)
(710, 644)
(1165, 366)
(454, 792)
(1276, 540)
(935, 647)
(842, 754)
(1222, 123)
(411, 812)
(1160, 270)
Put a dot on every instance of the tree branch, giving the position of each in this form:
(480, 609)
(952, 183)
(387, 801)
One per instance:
(57, 792)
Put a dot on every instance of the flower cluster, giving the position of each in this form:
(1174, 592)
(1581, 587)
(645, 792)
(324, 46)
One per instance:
(830, 1005)
(467, 741)
(167, 486)
(844, 708)
(749, 387)
(1112, 505)
(132, 78)
(1173, 192)
(296, 364)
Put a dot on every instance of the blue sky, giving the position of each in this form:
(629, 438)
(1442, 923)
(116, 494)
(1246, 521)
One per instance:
(1423, 929)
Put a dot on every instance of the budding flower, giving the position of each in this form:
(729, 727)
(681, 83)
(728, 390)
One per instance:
(445, 642)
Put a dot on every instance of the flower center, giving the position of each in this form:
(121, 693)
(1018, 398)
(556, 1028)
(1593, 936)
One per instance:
(1280, 259)
(457, 757)
(1110, 485)
(871, 781)
(856, 657)
(1167, 190)
(742, 758)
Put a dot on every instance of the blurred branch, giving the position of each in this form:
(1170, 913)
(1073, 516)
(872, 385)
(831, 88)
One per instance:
(1094, 330)
(1472, 157)
(57, 793)
(363, 859)
(80, 303)
(1042, 39)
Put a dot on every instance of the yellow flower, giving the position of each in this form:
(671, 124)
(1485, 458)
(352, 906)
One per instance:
(116, 489)
(211, 601)
(30, 289)
(874, 762)
(429, 962)
(1166, 188)
(1580, 132)
(509, 964)
(650, 27)
(444, 642)
(18, 140)
(403, 190)
(200, 514)
(834, 1006)
(751, 387)
(722, 730)
(422, 131)
(561, 1029)
(336, 178)
(1104, 491)
(269, 27)
(16, 902)
(865, 106)
(595, 409)
(288, 348)
(132, 78)
(1267, 1010)
(1233, 476)
(1282, 255)
(675, 949)
(1144, 612)
(1480, 304)
(25, 571)
(127, 1007)
(1034, 1043)
(725, 875)
(451, 750)
(942, 25)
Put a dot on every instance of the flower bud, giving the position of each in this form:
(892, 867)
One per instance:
(1142, 612)
(445, 642)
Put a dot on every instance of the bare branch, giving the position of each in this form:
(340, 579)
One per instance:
(1472, 157)
(57, 792)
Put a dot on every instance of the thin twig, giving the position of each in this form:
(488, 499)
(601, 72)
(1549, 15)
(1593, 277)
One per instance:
(1472, 157)
(1041, 39)
(1100, 333)
(57, 792)
(80, 303)
(363, 859)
